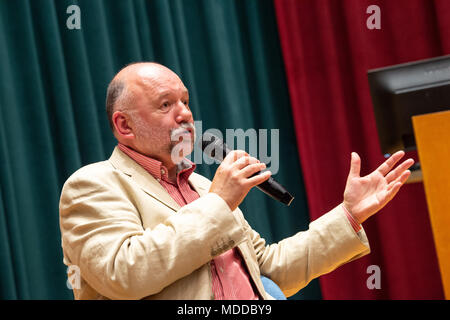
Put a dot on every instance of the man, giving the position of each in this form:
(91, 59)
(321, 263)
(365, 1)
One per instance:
(144, 225)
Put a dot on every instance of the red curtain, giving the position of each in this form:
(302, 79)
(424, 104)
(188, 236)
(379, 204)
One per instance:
(327, 50)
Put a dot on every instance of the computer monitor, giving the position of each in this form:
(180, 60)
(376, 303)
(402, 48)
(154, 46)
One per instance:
(404, 90)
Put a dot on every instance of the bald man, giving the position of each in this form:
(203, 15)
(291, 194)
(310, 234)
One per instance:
(144, 225)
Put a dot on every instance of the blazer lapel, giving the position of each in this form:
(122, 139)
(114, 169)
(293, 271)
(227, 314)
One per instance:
(144, 179)
(199, 184)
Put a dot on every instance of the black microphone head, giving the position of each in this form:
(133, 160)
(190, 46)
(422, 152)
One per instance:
(207, 139)
(213, 146)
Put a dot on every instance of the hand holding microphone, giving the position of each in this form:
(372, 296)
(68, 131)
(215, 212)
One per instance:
(236, 176)
(238, 173)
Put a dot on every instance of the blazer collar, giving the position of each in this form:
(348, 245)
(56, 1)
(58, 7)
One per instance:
(150, 185)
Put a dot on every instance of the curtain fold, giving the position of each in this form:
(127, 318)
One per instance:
(327, 51)
(52, 96)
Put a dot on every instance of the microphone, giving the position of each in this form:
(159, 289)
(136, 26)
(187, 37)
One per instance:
(214, 148)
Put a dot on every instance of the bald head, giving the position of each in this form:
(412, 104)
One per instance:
(133, 80)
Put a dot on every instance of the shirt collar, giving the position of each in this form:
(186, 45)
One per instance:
(156, 168)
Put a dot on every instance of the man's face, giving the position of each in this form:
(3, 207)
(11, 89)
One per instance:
(161, 119)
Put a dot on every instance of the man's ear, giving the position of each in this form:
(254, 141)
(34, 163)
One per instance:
(121, 123)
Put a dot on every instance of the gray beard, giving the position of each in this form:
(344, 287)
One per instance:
(147, 134)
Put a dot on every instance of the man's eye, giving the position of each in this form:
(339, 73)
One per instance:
(165, 105)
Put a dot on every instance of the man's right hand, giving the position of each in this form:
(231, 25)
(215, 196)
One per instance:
(233, 180)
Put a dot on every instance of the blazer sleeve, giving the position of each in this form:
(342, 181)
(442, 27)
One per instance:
(329, 242)
(103, 235)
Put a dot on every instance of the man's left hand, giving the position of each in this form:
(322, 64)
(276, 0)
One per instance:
(364, 196)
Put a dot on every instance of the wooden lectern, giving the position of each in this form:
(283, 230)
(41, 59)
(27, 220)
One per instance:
(432, 134)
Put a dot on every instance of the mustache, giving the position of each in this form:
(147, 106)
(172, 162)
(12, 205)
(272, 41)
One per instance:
(182, 129)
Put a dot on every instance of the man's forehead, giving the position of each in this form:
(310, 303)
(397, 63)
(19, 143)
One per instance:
(163, 92)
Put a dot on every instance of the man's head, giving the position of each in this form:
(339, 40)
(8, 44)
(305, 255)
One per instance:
(148, 109)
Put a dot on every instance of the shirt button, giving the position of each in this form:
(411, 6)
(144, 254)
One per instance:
(162, 171)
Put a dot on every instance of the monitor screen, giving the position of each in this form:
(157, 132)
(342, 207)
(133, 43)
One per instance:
(401, 91)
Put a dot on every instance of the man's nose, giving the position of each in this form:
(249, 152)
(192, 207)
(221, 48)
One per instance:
(184, 113)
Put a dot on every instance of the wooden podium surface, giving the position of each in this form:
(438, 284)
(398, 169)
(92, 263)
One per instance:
(432, 134)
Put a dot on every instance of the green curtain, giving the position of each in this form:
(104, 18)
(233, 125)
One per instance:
(53, 82)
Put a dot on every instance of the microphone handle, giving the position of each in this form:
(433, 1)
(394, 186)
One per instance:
(275, 190)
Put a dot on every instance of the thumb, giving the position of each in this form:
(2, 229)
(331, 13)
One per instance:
(355, 166)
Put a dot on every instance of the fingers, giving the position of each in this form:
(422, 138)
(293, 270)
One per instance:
(394, 187)
(390, 163)
(242, 164)
(244, 161)
(394, 174)
(245, 166)
(401, 179)
(259, 178)
(251, 169)
(393, 191)
(248, 166)
(355, 165)
(233, 156)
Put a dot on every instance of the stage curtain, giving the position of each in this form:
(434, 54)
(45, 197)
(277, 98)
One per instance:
(53, 83)
(328, 49)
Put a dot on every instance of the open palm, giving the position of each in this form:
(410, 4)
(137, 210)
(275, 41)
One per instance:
(364, 196)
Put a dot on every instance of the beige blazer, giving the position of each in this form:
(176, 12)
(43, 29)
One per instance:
(130, 240)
